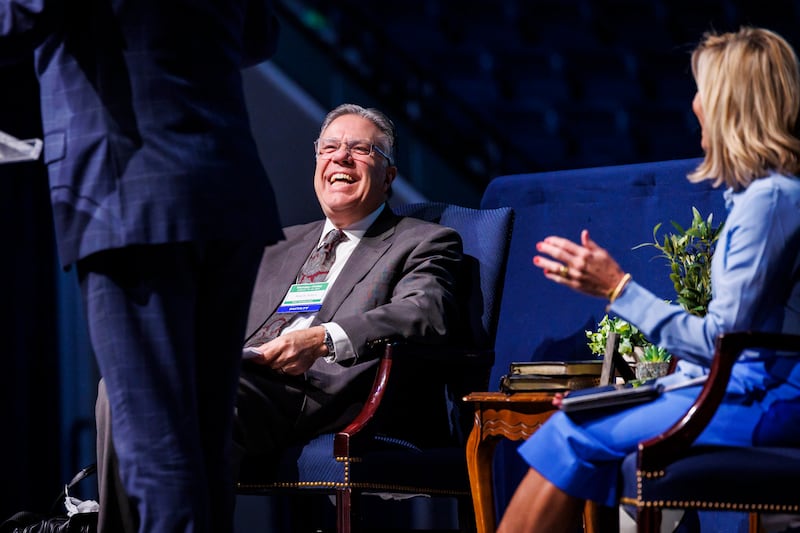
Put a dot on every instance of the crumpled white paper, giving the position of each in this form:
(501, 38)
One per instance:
(13, 149)
(75, 506)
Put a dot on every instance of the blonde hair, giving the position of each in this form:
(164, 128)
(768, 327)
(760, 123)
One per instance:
(749, 88)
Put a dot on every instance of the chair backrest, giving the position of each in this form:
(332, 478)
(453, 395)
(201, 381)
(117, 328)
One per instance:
(486, 234)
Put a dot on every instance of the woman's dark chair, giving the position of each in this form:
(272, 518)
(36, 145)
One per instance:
(669, 472)
(357, 460)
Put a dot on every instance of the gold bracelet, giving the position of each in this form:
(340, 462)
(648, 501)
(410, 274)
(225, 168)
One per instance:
(614, 294)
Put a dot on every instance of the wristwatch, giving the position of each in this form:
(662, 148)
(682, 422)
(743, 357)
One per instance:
(331, 357)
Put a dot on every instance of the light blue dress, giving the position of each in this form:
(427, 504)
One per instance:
(755, 276)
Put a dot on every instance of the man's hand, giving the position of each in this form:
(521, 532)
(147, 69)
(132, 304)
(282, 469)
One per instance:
(293, 352)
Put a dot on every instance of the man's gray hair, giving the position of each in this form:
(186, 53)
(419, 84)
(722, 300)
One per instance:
(375, 116)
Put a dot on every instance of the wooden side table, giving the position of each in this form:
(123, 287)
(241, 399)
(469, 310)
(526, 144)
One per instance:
(499, 415)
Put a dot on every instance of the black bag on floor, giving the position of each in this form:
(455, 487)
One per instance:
(55, 522)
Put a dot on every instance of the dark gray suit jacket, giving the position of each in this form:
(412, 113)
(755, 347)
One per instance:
(400, 281)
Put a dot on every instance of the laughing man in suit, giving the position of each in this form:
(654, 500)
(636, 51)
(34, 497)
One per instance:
(392, 277)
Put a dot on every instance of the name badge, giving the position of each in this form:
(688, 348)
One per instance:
(304, 297)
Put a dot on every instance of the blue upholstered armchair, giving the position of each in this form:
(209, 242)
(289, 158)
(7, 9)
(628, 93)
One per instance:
(668, 472)
(358, 460)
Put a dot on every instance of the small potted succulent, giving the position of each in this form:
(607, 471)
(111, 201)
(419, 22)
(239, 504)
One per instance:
(653, 363)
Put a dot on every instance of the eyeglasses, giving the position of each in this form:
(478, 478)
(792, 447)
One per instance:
(360, 150)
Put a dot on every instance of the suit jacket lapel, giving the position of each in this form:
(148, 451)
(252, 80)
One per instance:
(275, 279)
(375, 242)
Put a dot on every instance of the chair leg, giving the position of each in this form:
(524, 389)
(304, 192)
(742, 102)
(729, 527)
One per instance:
(648, 520)
(344, 509)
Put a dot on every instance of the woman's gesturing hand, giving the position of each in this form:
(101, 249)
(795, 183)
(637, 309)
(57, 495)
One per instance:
(585, 267)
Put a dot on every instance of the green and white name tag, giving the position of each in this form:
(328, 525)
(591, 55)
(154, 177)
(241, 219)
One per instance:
(304, 297)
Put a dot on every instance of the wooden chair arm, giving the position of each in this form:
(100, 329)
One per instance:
(435, 358)
(341, 441)
(659, 451)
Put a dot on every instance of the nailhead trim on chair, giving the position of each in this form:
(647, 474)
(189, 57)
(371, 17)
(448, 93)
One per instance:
(694, 504)
(346, 461)
(294, 485)
(347, 484)
(339, 485)
(409, 490)
(720, 506)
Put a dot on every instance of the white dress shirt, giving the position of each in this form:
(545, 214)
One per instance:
(343, 347)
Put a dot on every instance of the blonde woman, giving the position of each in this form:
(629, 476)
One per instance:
(747, 103)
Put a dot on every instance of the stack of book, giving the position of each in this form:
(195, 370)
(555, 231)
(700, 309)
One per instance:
(551, 376)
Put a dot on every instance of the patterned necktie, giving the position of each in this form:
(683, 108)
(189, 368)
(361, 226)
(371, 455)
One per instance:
(315, 270)
(319, 263)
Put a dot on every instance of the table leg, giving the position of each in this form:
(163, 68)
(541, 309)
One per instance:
(599, 519)
(480, 453)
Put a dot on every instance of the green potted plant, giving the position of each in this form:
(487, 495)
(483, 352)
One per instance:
(653, 362)
(688, 253)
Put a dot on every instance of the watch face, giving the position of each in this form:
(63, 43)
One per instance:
(329, 343)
